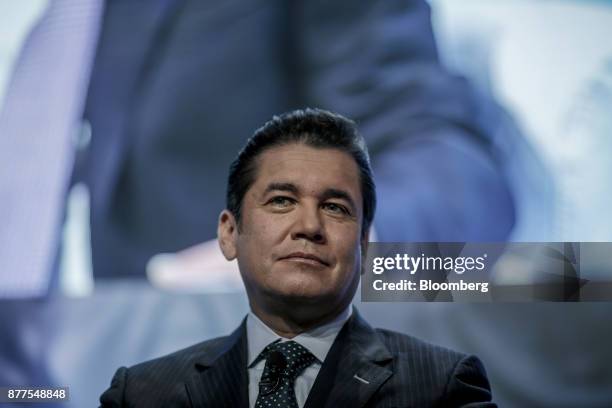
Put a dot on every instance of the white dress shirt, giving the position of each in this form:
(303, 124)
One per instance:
(318, 341)
(16, 20)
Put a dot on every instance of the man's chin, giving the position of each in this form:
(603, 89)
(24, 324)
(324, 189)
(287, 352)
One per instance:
(302, 299)
(301, 296)
(305, 308)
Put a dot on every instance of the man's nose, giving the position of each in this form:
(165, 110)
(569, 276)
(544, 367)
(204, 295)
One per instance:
(309, 225)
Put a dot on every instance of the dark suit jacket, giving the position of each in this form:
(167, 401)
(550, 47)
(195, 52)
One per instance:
(179, 85)
(400, 371)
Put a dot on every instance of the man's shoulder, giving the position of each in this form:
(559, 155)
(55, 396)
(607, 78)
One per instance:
(408, 352)
(161, 381)
(179, 362)
(158, 382)
(403, 346)
(416, 355)
(435, 375)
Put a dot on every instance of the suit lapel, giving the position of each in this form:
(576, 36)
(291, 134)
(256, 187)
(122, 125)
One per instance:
(355, 368)
(221, 379)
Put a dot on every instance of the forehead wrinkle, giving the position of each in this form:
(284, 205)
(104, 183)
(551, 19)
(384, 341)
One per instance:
(281, 186)
(312, 157)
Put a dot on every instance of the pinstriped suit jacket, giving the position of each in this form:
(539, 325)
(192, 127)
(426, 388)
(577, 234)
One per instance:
(364, 368)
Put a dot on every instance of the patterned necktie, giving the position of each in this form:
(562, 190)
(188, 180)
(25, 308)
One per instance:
(41, 113)
(284, 363)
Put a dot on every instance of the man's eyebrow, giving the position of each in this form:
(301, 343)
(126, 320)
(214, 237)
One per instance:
(341, 194)
(289, 187)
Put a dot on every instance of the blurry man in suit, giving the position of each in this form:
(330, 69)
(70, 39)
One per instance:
(176, 84)
(300, 203)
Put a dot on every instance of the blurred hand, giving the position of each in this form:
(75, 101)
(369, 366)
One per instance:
(198, 269)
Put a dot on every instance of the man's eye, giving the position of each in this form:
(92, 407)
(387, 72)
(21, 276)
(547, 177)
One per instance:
(335, 208)
(280, 201)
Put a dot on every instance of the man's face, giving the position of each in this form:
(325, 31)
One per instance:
(299, 241)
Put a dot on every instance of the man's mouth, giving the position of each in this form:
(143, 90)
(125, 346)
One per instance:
(305, 258)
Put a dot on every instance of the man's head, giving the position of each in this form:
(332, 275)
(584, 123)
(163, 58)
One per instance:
(300, 203)
(316, 128)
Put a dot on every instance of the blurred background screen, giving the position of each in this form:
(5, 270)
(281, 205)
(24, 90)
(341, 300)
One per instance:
(486, 120)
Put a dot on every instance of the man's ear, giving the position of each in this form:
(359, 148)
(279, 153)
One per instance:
(365, 240)
(227, 234)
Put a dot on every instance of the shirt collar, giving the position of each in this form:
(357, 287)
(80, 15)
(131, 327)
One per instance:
(317, 340)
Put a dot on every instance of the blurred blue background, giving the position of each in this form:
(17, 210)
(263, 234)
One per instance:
(486, 120)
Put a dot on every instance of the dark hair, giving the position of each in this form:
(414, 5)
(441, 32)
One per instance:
(315, 128)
